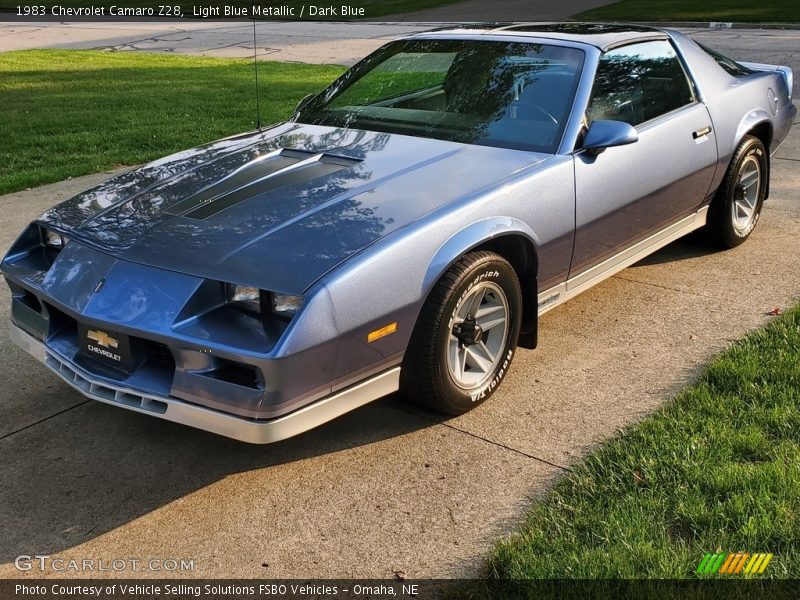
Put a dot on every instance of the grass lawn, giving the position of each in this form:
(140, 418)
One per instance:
(70, 113)
(774, 11)
(716, 470)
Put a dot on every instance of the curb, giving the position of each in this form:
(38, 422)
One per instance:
(717, 25)
(712, 25)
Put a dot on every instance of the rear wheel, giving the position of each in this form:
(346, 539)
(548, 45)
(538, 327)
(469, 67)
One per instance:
(736, 208)
(466, 335)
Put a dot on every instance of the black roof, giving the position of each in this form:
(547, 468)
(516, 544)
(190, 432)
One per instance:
(601, 35)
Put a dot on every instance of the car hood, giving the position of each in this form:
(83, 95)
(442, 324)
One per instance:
(279, 208)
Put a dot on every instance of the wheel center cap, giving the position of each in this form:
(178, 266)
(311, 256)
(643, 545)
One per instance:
(468, 333)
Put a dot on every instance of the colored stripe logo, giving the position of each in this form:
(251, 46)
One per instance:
(734, 563)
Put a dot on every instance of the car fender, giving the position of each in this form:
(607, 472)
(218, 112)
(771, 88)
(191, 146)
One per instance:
(480, 233)
(752, 119)
(472, 236)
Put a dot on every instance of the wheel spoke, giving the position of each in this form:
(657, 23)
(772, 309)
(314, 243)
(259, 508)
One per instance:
(479, 357)
(488, 309)
(456, 360)
(749, 179)
(490, 316)
(474, 303)
(743, 210)
(484, 350)
(752, 197)
(488, 324)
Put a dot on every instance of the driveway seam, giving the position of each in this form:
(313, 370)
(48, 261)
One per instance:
(786, 210)
(42, 420)
(666, 287)
(672, 289)
(509, 448)
(479, 437)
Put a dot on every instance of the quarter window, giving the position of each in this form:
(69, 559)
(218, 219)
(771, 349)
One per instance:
(731, 66)
(638, 83)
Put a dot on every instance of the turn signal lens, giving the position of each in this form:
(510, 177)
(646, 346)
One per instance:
(382, 332)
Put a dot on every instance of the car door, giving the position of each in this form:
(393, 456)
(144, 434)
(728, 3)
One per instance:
(627, 193)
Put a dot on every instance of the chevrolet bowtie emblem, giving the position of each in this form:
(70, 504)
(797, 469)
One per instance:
(102, 338)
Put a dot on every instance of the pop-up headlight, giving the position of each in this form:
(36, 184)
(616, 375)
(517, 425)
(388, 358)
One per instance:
(260, 302)
(53, 239)
(286, 305)
(245, 297)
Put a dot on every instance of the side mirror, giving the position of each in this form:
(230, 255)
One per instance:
(606, 134)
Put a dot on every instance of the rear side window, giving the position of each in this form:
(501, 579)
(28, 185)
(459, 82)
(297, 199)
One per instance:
(730, 65)
(639, 82)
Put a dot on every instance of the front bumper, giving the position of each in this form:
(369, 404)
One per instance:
(173, 409)
(185, 342)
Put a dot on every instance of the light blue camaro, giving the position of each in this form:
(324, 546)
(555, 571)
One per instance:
(402, 232)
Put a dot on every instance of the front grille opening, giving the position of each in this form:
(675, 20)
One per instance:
(160, 355)
(100, 391)
(235, 373)
(60, 322)
(30, 300)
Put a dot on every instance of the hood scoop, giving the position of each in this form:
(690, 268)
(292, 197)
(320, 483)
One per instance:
(266, 173)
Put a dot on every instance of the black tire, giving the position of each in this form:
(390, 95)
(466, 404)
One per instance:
(425, 377)
(721, 228)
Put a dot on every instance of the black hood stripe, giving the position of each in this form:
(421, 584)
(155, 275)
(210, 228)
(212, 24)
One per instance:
(249, 173)
(276, 170)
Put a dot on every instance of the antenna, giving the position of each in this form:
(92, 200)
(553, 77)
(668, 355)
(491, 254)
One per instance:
(255, 68)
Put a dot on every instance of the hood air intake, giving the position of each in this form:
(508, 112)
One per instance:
(269, 172)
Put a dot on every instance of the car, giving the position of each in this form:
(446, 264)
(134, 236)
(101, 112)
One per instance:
(404, 231)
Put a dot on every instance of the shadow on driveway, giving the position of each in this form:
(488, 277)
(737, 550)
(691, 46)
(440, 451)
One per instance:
(95, 467)
(694, 245)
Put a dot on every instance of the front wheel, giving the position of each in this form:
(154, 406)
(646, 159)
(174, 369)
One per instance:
(736, 207)
(466, 335)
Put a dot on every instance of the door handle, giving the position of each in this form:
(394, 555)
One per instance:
(701, 132)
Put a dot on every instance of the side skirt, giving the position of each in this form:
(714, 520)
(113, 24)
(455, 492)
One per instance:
(562, 292)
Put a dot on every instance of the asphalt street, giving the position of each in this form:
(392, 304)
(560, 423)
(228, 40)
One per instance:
(308, 41)
(339, 43)
(385, 488)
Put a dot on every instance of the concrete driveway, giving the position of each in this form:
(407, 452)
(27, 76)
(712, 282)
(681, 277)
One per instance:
(385, 488)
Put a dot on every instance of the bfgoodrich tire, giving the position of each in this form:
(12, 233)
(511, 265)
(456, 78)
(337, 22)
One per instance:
(736, 207)
(466, 335)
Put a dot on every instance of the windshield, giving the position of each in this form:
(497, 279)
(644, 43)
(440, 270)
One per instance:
(505, 94)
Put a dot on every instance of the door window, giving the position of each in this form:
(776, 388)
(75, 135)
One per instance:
(639, 82)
